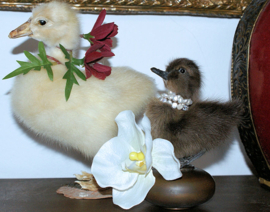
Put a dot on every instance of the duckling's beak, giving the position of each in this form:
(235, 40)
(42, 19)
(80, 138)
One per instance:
(163, 74)
(21, 31)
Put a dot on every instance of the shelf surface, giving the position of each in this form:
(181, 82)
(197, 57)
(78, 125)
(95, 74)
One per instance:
(233, 194)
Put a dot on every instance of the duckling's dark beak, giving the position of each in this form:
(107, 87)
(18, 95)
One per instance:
(163, 74)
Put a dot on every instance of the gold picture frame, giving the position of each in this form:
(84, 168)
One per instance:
(209, 8)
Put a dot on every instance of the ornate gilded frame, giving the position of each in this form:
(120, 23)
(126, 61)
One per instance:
(211, 8)
(240, 88)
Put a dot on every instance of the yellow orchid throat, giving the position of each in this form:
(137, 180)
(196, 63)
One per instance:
(139, 157)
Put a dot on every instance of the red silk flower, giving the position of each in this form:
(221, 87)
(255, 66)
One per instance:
(101, 43)
(103, 33)
(90, 62)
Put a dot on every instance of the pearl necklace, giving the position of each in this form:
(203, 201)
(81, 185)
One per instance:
(176, 101)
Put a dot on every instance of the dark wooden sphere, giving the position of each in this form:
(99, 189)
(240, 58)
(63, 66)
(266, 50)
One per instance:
(194, 188)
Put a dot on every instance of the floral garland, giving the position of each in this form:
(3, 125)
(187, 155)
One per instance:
(101, 43)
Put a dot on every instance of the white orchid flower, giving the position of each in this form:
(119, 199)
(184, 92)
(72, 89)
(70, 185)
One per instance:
(125, 162)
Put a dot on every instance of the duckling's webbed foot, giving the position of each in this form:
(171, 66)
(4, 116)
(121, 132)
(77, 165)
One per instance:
(185, 161)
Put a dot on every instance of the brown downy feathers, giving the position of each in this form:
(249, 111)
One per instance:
(204, 125)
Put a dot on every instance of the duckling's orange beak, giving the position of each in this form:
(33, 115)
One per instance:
(163, 74)
(21, 31)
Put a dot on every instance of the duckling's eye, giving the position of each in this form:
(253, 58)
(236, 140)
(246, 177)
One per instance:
(42, 22)
(182, 70)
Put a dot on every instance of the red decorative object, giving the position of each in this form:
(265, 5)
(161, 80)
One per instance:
(259, 80)
(90, 62)
(101, 43)
(103, 33)
(251, 83)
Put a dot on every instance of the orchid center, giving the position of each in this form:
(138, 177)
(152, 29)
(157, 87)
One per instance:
(139, 159)
(136, 156)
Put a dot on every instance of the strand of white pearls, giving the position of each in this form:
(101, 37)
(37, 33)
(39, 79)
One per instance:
(176, 101)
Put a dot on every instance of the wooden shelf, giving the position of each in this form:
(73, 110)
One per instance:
(233, 194)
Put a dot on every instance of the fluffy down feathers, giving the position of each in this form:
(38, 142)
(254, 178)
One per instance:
(205, 125)
(86, 121)
(62, 25)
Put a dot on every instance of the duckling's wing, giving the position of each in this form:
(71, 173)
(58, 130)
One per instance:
(204, 126)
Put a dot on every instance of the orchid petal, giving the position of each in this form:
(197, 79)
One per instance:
(133, 167)
(164, 159)
(100, 19)
(129, 130)
(106, 166)
(135, 195)
(146, 127)
(146, 124)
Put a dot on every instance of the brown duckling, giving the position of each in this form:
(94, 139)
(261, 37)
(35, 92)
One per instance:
(191, 125)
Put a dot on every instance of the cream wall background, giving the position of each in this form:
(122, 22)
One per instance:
(143, 42)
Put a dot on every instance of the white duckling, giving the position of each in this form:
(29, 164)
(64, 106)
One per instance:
(86, 120)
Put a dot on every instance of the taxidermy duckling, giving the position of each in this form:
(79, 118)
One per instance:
(86, 121)
(191, 125)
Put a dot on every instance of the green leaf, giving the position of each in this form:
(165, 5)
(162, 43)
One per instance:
(22, 63)
(47, 64)
(78, 72)
(34, 64)
(88, 37)
(42, 52)
(78, 62)
(32, 58)
(18, 71)
(49, 71)
(67, 55)
(71, 69)
(69, 76)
